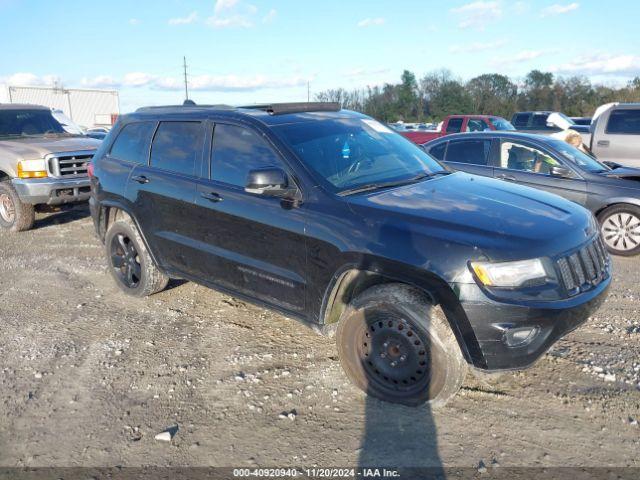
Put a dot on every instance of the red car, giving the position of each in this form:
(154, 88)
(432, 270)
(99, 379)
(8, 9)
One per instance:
(460, 123)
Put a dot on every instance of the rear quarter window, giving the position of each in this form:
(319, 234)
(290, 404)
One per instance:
(454, 125)
(474, 152)
(132, 143)
(624, 122)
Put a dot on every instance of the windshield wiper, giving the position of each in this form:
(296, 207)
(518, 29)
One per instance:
(378, 186)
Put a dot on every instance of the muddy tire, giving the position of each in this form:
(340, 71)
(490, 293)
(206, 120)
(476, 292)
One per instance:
(129, 262)
(620, 227)
(394, 345)
(15, 216)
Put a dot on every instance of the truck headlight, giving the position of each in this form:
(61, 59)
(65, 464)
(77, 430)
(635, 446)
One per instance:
(32, 169)
(510, 274)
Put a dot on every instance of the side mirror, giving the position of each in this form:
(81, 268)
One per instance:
(612, 165)
(563, 172)
(272, 182)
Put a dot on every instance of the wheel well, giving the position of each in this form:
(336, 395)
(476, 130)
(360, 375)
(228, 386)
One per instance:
(108, 216)
(352, 283)
(604, 207)
(3, 176)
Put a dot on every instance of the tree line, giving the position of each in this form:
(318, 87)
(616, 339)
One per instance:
(440, 93)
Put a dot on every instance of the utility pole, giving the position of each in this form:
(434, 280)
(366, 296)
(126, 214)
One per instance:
(186, 84)
(308, 91)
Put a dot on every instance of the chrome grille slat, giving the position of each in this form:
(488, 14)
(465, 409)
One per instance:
(69, 164)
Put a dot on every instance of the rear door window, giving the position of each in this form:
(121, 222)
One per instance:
(177, 146)
(475, 152)
(624, 122)
(236, 151)
(454, 125)
(132, 143)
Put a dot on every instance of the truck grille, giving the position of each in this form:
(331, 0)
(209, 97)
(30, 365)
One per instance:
(69, 165)
(585, 268)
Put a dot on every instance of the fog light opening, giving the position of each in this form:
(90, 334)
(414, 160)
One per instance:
(519, 337)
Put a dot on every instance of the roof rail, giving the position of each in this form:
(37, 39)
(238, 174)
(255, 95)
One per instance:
(282, 108)
(185, 105)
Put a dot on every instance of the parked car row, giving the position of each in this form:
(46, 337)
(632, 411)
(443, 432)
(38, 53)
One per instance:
(459, 123)
(334, 219)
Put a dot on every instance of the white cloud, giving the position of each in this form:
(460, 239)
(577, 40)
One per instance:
(134, 21)
(520, 7)
(239, 21)
(191, 18)
(370, 22)
(233, 14)
(137, 79)
(477, 14)
(222, 5)
(557, 9)
(363, 72)
(477, 47)
(29, 79)
(101, 81)
(520, 57)
(270, 17)
(601, 64)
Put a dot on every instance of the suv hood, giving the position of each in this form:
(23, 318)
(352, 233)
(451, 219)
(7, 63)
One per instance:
(32, 148)
(505, 221)
(628, 173)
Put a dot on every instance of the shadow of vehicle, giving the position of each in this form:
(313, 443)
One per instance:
(65, 215)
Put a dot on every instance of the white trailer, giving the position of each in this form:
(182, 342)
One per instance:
(86, 107)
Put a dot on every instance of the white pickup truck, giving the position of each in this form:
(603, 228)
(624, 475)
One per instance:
(40, 164)
(615, 134)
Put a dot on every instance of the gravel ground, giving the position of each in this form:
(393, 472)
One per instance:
(88, 377)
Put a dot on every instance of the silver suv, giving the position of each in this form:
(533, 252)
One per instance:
(40, 164)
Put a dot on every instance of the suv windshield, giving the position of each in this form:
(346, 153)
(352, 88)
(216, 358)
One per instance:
(353, 153)
(28, 123)
(501, 123)
(580, 158)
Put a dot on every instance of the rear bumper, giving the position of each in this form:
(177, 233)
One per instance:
(490, 321)
(52, 191)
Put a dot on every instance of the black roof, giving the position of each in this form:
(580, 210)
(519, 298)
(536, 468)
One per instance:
(270, 114)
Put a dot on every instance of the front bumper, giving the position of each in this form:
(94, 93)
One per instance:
(490, 320)
(52, 191)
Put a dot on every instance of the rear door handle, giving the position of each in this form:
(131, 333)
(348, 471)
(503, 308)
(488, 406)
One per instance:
(603, 143)
(504, 176)
(211, 196)
(140, 179)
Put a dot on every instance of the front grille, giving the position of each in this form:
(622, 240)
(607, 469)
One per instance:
(585, 268)
(69, 165)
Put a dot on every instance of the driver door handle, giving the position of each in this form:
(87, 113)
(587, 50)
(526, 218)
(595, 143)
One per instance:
(140, 179)
(504, 176)
(211, 196)
(603, 143)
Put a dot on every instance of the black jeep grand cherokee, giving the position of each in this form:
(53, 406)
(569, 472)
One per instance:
(332, 218)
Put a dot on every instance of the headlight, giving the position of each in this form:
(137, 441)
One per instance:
(510, 274)
(32, 169)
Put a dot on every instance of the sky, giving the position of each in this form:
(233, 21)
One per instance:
(248, 51)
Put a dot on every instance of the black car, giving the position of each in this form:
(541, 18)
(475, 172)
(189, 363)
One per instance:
(334, 219)
(612, 194)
